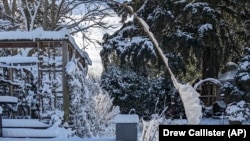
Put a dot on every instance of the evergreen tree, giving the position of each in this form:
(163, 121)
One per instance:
(202, 33)
(243, 74)
(146, 96)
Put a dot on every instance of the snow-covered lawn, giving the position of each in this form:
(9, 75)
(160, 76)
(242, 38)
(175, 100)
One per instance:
(62, 134)
(24, 123)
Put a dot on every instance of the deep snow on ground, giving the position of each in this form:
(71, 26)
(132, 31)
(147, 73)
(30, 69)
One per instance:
(63, 133)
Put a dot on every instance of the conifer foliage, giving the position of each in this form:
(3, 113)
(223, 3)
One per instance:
(243, 74)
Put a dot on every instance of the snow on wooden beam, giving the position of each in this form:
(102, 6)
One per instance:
(38, 33)
(18, 59)
(29, 39)
(8, 99)
(28, 43)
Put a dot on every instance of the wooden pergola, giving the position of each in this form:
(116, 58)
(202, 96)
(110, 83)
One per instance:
(45, 54)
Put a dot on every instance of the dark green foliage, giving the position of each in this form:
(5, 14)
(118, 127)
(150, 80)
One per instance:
(239, 90)
(232, 92)
(128, 49)
(198, 37)
(242, 77)
(146, 96)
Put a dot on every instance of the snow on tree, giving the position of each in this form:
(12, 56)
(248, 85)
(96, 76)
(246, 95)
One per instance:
(6, 25)
(92, 110)
(147, 96)
(1, 110)
(130, 49)
(204, 28)
(243, 73)
(189, 96)
(105, 113)
(150, 128)
(32, 9)
(194, 6)
(239, 111)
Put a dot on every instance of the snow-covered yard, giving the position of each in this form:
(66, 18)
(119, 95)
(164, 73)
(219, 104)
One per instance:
(94, 109)
(62, 134)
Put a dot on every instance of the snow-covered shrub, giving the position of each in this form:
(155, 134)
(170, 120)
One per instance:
(56, 118)
(150, 129)
(239, 111)
(147, 96)
(207, 111)
(92, 109)
(232, 92)
(105, 113)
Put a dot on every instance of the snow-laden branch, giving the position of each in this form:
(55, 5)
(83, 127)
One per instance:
(30, 6)
(15, 83)
(189, 96)
(20, 3)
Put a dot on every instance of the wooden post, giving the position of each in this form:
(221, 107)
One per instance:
(11, 87)
(65, 82)
(39, 82)
(54, 74)
(1, 123)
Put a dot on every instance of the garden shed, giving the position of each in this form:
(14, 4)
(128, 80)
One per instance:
(33, 69)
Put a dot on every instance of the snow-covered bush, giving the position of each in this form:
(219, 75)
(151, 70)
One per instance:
(105, 113)
(239, 111)
(147, 96)
(207, 111)
(232, 92)
(56, 118)
(150, 129)
(92, 109)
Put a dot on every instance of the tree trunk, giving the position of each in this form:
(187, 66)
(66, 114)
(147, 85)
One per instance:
(45, 14)
(6, 7)
(210, 66)
(53, 12)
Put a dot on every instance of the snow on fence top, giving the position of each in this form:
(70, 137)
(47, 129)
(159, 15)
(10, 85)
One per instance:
(125, 118)
(8, 99)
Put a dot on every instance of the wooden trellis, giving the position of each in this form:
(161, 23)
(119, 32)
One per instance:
(48, 54)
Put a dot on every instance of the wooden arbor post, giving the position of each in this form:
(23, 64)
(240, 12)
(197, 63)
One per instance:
(65, 88)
